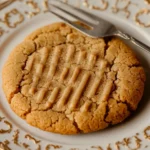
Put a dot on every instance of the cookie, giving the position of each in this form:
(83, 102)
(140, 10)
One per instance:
(62, 81)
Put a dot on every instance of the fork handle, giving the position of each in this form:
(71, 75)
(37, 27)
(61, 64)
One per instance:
(133, 40)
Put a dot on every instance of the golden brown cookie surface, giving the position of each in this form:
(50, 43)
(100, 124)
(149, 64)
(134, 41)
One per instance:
(62, 81)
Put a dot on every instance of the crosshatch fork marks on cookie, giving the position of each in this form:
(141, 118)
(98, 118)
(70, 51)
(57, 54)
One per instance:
(39, 70)
(69, 96)
(50, 74)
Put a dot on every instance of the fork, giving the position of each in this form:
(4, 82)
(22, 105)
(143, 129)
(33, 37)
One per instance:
(98, 27)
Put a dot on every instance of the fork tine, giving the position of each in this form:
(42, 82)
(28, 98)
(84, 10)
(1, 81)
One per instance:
(78, 27)
(89, 15)
(75, 16)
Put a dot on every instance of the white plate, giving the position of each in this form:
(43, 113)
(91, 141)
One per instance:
(129, 129)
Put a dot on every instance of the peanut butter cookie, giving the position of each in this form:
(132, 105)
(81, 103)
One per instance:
(62, 81)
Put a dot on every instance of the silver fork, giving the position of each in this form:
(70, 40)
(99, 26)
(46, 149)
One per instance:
(98, 27)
